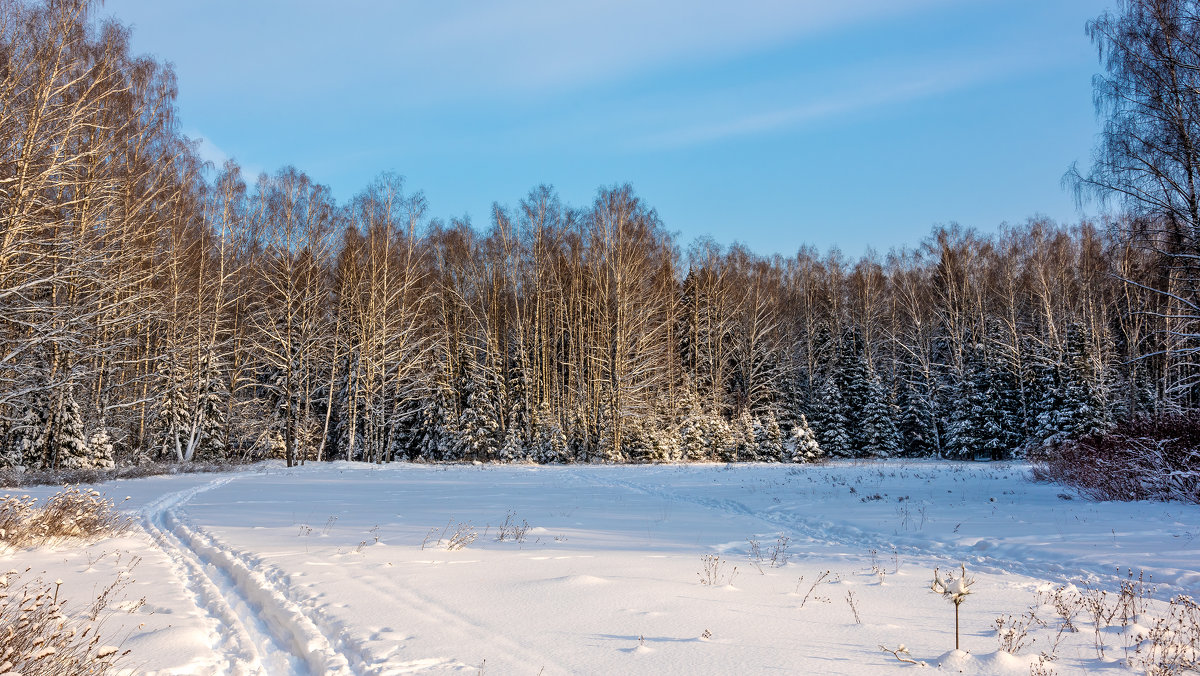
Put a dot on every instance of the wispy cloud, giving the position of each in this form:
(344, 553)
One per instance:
(451, 50)
(216, 156)
(549, 44)
(878, 92)
(206, 149)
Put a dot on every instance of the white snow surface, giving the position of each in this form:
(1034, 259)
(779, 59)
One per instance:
(320, 569)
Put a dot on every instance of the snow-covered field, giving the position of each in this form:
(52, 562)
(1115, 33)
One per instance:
(337, 568)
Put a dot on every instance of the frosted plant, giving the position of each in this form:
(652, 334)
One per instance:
(953, 589)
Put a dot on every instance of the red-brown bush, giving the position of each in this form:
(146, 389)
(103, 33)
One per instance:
(1144, 458)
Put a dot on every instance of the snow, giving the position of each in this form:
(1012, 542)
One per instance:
(322, 569)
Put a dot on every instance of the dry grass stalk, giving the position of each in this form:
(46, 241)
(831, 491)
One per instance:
(39, 636)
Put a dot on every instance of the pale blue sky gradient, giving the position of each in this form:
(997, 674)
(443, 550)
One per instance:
(771, 122)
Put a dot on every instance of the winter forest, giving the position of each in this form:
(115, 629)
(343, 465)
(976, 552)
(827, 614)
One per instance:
(155, 308)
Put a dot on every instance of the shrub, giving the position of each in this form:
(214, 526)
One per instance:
(1144, 458)
(38, 636)
(10, 477)
(71, 513)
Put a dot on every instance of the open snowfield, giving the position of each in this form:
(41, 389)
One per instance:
(331, 568)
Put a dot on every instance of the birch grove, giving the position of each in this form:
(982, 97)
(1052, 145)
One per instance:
(155, 308)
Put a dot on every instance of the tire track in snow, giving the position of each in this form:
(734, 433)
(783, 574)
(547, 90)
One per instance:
(254, 628)
(1020, 559)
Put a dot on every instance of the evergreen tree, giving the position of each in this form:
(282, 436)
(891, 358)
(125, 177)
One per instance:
(664, 444)
(635, 441)
(607, 450)
(1051, 401)
(517, 389)
(769, 438)
(693, 442)
(100, 444)
(173, 411)
(720, 438)
(832, 421)
(693, 439)
(212, 427)
(549, 443)
(802, 443)
(918, 418)
(10, 450)
(876, 430)
(434, 429)
(972, 427)
(744, 447)
(795, 387)
(477, 429)
(30, 435)
(1084, 411)
(513, 448)
(69, 448)
(1003, 390)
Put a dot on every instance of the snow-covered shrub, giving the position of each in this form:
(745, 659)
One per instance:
(1145, 458)
(511, 530)
(73, 512)
(1012, 631)
(953, 589)
(41, 635)
(462, 535)
(1172, 645)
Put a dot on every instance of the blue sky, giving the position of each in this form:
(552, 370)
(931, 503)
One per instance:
(774, 123)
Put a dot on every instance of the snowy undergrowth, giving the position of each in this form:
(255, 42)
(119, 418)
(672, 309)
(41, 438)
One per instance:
(41, 631)
(44, 634)
(71, 513)
(629, 570)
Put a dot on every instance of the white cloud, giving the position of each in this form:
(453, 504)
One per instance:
(216, 156)
(551, 43)
(875, 90)
(207, 150)
(458, 49)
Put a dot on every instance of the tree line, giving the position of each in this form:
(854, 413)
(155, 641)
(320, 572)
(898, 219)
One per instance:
(155, 308)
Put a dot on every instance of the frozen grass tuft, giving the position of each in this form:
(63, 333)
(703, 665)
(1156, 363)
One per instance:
(511, 530)
(716, 572)
(451, 539)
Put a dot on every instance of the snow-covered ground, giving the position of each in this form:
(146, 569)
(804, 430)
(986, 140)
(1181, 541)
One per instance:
(332, 568)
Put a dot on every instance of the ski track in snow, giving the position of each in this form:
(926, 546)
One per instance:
(255, 627)
(261, 623)
(1019, 559)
